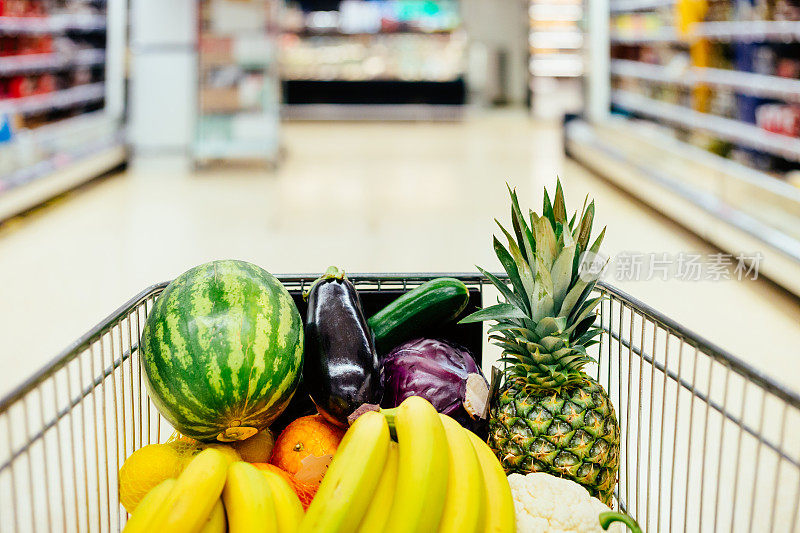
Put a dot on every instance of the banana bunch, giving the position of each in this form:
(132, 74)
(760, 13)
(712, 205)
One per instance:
(215, 494)
(437, 477)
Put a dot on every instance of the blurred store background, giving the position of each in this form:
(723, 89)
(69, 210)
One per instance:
(140, 138)
(379, 134)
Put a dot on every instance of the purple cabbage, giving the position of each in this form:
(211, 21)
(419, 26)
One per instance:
(435, 370)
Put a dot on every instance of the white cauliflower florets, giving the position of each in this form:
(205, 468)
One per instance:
(550, 504)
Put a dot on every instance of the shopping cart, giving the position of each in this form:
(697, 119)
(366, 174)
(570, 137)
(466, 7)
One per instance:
(708, 443)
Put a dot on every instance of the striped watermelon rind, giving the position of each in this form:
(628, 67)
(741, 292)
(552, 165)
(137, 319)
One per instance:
(222, 350)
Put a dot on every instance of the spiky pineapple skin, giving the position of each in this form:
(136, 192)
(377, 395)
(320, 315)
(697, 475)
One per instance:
(572, 433)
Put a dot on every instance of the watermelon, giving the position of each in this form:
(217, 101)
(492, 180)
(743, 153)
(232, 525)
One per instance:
(222, 351)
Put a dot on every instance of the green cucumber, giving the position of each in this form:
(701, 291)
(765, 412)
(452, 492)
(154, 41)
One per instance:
(430, 305)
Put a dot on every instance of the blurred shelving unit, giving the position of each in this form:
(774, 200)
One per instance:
(373, 60)
(61, 97)
(556, 63)
(749, 83)
(748, 31)
(704, 121)
(629, 6)
(28, 63)
(664, 34)
(36, 21)
(238, 83)
(735, 131)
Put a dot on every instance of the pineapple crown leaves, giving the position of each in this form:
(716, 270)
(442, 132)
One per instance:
(544, 323)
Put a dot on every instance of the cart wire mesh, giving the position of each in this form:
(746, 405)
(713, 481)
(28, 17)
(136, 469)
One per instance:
(707, 443)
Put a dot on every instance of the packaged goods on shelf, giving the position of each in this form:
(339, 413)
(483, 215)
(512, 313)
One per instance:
(237, 135)
(363, 53)
(52, 89)
(23, 8)
(357, 17)
(639, 28)
(779, 118)
(232, 17)
(749, 64)
(237, 90)
(245, 51)
(705, 120)
(238, 94)
(556, 62)
(391, 56)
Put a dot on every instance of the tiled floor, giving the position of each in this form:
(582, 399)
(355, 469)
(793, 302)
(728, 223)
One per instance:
(367, 197)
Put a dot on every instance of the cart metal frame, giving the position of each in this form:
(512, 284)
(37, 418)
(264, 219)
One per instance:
(708, 442)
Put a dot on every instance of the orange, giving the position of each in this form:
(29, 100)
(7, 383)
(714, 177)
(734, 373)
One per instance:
(304, 491)
(306, 436)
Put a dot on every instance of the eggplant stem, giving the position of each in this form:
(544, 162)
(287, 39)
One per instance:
(608, 517)
(333, 272)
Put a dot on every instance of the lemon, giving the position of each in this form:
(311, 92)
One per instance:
(257, 448)
(144, 469)
(187, 449)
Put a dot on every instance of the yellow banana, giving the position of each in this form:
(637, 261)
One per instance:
(288, 509)
(499, 501)
(347, 488)
(248, 500)
(227, 450)
(216, 523)
(194, 495)
(148, 507)
(421, 469)
(378, 511)
(465, 506)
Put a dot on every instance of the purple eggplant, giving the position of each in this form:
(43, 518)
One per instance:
(340, 369)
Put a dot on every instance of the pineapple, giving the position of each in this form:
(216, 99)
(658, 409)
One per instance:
(549, 416)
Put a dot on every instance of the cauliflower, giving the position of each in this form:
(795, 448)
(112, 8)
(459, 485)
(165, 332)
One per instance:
(550, 504)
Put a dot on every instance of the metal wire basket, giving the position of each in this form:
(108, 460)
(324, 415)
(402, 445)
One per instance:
(708, 443)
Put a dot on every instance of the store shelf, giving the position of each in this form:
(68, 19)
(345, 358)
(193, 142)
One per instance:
(331, 32)
(37, 183)
(53, 24)
(626, 6)
(740, 31)
(377, 112)
(375, 93)
(557, 13)
(32, 148)
(706, 212)
(58, 162)
(727, 129)
(787, 89)
(556, 66)
(238, 89)
(210, 149)
(65, 128)
(218, 61)
(80, 94)
(666, 34)
(563, 40)
(371, 80)
(22, 64)
(748, 31)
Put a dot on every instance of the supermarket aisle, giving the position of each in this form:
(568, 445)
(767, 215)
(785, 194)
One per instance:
(421, 198)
